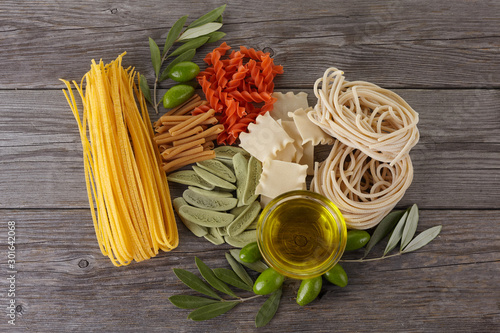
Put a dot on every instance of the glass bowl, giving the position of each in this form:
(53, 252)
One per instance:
(301, 234)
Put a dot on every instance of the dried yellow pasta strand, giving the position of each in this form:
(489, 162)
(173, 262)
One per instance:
(167, 235)
(134, 217)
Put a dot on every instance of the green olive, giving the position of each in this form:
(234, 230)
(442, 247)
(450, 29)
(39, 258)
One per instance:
(177, 95)
(184, 71)
(309, 289)
(267, 282)
(250, 253)
(337, 276)
(356, 239)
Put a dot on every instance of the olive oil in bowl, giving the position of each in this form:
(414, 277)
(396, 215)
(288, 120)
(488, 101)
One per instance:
(301, 234)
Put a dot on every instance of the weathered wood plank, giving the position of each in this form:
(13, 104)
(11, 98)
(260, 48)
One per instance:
(456, 161)
(396, 43)
(64, 283)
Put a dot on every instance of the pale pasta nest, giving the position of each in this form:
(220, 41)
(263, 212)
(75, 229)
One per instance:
(369, 167)
(365, 116)
(364, 189)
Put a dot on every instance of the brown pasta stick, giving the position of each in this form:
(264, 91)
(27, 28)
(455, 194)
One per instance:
(209, 121)
(180, 162)
(178, 154)
(211, 137)
(163, 147)
(190, 152)
(174, 119)
(166, 137)
(194, 98)
(190, 107)
(175, 150)
(208, 145)
(212, 130)
(159, 136)
(190, 123)
(162, 129)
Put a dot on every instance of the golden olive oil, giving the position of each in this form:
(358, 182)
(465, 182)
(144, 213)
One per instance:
(299, 237)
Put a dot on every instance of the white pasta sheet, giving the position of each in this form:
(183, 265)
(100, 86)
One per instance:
(309, 131)
(279, 177)
(288, 102)
(265, 138)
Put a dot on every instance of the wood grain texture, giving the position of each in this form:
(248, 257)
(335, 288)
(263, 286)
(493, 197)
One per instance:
(457, 161)
(441, 56)
(400, 43)
(65, 284)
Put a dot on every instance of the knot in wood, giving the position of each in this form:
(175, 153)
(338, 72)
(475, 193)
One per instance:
(83, 263)
(268, 50)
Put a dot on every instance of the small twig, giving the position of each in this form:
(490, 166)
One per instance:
(248, 298)
(155, 105)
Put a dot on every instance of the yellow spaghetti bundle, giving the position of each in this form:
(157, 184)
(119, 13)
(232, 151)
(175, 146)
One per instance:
(128, 192)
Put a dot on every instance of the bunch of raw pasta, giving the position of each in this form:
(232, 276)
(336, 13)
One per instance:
(184, 138)
(239, 88)
(128, 192)
(369, 167)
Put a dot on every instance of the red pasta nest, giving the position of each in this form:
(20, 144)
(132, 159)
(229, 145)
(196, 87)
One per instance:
(238, 88)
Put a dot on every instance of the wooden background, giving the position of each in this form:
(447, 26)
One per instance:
(442, 56)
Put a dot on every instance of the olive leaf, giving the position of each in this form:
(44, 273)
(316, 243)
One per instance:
(422, 239)
(210, 277)
(211, 16)
(174, 33)
(239, 270)
(202, 30)
(258, 266)
(155, 56)
(195, 283)
(219, 19)
(212, 310)
(215, 36)
(191, 44)
(230, 277)
(383, 229)
(396, 235)
(186, 56)
(410, 226)
(143, 84)
(268, 309)
(190, 302)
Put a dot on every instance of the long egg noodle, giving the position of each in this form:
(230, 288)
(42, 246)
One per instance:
(128, 192)
(365, 116)
(369, 167)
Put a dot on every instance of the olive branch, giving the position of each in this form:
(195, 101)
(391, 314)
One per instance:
(201, 31)
(400, 225)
